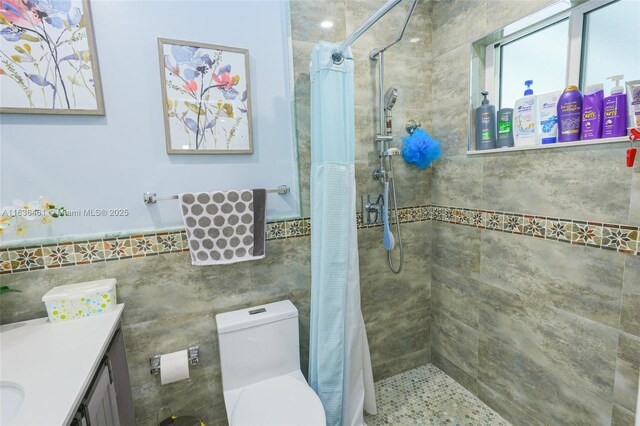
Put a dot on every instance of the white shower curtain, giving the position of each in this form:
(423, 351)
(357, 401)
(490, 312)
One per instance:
(339, 359)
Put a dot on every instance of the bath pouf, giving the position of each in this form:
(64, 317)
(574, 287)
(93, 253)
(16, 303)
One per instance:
(421, 149)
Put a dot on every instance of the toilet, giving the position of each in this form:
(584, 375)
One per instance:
(260, 363)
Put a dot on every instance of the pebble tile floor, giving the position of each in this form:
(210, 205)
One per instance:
(427, 396)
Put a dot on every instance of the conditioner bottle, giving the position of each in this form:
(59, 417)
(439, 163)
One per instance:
(570, 115)
(615, 111)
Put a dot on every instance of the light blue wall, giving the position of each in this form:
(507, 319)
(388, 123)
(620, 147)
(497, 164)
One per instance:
(109, 162)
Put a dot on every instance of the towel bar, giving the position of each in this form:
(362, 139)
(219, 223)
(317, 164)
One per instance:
(152, 197)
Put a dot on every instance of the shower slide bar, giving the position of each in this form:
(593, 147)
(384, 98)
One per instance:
(152, 197)
(338, 55)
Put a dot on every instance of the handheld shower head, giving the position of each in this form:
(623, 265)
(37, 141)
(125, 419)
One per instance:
(390, 98)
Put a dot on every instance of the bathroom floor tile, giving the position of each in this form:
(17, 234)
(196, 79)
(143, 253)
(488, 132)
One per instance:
(427, 396)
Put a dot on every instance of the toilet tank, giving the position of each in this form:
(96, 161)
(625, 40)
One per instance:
(258, 343)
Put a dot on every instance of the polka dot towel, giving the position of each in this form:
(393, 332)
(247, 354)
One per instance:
(224, 227)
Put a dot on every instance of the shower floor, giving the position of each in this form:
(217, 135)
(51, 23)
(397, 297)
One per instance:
(427, 396)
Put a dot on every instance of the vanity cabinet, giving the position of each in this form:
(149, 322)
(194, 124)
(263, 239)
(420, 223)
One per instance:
(100, 406)
(108, 401)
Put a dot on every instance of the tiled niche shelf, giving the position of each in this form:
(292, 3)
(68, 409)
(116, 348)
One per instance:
(556, 145)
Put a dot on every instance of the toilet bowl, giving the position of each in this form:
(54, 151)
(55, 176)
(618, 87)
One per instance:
(260, 363)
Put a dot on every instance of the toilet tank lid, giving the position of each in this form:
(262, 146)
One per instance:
(257, 315)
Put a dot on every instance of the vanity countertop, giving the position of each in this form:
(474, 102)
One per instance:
(54, 363)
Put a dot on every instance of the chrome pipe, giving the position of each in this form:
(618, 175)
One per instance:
(381, 114)
(338, 55)
(375, 52)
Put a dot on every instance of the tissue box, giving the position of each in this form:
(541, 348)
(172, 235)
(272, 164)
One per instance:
(81, 300)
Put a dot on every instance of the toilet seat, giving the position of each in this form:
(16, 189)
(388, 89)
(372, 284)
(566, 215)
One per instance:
(280, 401)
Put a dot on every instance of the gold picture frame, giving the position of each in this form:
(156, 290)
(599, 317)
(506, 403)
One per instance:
(206, 94)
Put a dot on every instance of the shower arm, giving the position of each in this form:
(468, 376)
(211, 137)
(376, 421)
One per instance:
(338, 55)
(374, 53)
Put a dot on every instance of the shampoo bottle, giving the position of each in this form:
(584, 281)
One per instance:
(615, 111)
(485, 125)
(505, 128)
(525, 118)
(633, 103)
(592, 107)
(569, 115)
(548, 117)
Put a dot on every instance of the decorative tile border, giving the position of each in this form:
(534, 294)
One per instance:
(620, 238)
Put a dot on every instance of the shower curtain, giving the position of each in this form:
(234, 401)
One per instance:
(339, 359)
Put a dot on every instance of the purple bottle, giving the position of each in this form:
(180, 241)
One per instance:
(615, 111)
(569, 115)
(592, 110)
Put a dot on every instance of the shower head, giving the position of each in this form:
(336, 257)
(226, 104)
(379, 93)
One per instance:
(390, 98)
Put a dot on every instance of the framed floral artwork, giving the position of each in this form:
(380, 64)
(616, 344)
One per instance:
(206, 98)
(48, 60)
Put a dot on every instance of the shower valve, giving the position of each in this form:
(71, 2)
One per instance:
(381, 175)
(372, 208)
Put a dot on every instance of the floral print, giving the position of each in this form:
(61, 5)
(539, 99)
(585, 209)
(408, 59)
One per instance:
(46, 53)
(206, 97)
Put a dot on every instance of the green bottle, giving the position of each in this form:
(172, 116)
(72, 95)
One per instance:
(505, 128)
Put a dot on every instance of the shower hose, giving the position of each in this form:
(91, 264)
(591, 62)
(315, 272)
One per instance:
(395, 212)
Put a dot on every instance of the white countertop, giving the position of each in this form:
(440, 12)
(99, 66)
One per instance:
(54, 363)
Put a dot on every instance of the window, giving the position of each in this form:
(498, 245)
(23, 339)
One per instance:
(582, 46)
(611, 43)
(540, 56)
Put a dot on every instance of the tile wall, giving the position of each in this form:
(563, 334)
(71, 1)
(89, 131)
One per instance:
(543, 332)
(171, 304)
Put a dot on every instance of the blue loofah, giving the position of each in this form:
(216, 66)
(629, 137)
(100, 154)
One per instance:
(421, 149)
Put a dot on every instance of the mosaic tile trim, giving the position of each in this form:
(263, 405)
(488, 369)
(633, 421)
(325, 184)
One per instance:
(83, 252)
(620, 238)
(427, 396)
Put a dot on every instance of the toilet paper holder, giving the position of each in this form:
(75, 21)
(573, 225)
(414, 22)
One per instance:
(193, 354)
